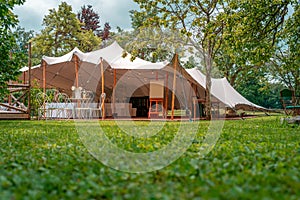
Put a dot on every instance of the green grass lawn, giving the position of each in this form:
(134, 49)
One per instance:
(253, 159)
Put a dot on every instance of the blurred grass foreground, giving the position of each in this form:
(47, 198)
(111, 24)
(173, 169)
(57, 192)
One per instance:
(255, 158)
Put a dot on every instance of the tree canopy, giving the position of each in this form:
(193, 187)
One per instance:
(89, 19)
(284, 64)
(10, 60)
(250, 35)
(62, 32)
(236, 37)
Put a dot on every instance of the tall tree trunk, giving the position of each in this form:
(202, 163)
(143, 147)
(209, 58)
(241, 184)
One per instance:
(208, 64)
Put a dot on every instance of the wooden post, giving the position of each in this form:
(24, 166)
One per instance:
(102, 78)
(174, 85)
(167, 95)
(114, 94)
(77, 82)
(44, 76)
(44, 87)
(29, 80)
(24, 77)
(76, 71)
(10, 93)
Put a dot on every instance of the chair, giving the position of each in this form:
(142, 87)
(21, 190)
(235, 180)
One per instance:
(290, 102)
(156, 98)
(64, 106)
(97, 111)
(83, 109)
(45, 108)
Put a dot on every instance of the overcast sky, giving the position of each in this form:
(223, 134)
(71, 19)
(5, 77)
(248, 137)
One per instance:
(116, 12)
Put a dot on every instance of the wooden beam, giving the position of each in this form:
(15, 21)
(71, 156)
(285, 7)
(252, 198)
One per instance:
(17, 85)
(11, 90)
(13, 107)
(44, 87)
(76, 72)
(167, 95)
(17, 100)
(24, 77)
(174, 85)
(102, 89)
(114, 94)
(44, 76)
(13, 115)
(29, 80)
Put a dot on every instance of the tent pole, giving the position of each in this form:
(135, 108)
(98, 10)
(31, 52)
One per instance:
(102, 78)
(167, 96)
(114, 94)
(193, 100)
(44, 76)
(44, 87)
(29, 80)
(24, 77)
(76, 71)
(174, 86)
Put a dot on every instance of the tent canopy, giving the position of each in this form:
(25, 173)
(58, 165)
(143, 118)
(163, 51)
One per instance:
(222, 90)
(132, 78)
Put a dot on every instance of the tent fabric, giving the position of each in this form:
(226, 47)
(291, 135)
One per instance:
(222, 90)
(113, 55)
(133, 77)
(65, 58)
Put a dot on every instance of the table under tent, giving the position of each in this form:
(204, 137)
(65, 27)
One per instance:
(121, 87)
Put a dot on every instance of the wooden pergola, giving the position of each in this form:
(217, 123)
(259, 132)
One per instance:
(15, 105)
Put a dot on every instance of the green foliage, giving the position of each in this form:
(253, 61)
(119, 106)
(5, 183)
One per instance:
(253, 159)
(10, 61)
(23, 37)
(250, 34)
(62, 33)
(285, 63)
(260, 91)
(154, 44)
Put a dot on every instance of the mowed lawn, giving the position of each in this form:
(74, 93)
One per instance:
(253, 159)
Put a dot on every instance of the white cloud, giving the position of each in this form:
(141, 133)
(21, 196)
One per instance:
(116, 12)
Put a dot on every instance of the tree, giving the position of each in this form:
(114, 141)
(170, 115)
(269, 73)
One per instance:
(250, 35)
(89, 19)
(199, 20)
(236, 35)
(256, 88)
(9, 65)
(62, 33)
(285, 63)
(22, 39)
(106, 32)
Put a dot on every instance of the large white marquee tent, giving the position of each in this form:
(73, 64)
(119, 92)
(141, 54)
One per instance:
(121, 76)
(125, 78)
